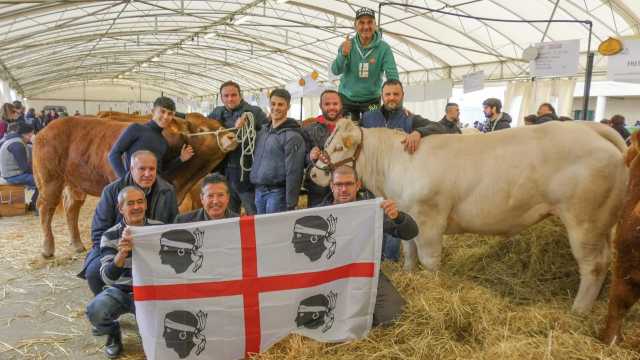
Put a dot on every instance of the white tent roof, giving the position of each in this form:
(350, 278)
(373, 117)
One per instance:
(190, 47)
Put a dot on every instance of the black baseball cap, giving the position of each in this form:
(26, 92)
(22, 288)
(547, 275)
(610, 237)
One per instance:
(365, 12)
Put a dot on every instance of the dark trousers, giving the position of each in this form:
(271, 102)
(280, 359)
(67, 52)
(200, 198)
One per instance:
(390, 248)
(105, 309)
(240, 194)
(389, 302)
(270, 200)
(29, 181)
(91, 271)
(355, 109)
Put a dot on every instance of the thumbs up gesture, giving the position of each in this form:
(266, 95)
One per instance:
(346, 46)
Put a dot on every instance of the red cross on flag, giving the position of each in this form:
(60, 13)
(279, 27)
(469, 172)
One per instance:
(231, 288)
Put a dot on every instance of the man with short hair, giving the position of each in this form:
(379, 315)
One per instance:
(149, 137)
(316, 133)
(232, 115)
(20, 109)
(546, 113)
(449, 124)
(362, 62)
(31, 119)
(278, 162)
(116, 245)
(215, 197)
(345, 188)
(496, 119)
(161, 205)
(15, 159)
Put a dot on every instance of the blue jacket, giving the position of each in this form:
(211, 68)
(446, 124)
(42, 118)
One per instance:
(161, 205)
(231, 162)
(278, 159)
(141, 137)
(397, 119)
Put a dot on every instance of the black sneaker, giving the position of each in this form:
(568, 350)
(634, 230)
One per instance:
(113, 347)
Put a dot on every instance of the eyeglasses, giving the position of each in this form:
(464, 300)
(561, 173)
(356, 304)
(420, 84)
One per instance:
(345, 184)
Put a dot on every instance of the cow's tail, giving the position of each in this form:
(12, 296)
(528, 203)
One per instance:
(609, 134)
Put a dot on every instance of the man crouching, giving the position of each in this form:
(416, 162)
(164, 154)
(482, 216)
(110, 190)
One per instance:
(115, 257)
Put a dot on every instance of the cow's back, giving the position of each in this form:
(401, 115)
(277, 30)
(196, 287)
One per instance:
(77, 149)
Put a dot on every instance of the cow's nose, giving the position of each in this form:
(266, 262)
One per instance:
(313, 175)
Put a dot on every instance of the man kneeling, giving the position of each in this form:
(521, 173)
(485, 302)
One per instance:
(345, 188)
(115, 258)
(215, 197)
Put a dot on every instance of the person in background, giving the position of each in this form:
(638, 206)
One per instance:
(546, 113)
(345, 188)
(215, 198)
(361, 62)
(15, 159)
(149, 137)
(316, 133)
(77, 113)
(605, 122)
(618, 124)
(564, 118)
(31, 119)
(161, 200)
(496, 119)
(530, 119)
(20, 109)
(231, 115)
(278, 162)
(116, 244)
(8, 114)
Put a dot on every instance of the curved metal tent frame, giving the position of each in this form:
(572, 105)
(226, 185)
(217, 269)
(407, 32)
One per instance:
(193, 46)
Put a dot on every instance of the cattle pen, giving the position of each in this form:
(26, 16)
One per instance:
(493, 299)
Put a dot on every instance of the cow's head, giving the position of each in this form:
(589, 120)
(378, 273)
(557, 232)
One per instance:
(342, 147)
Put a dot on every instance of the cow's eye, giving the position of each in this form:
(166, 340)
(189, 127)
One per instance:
(338, 148)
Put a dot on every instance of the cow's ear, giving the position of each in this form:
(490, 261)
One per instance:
(347, 141)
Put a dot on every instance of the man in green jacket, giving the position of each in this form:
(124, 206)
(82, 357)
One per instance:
(361, 62)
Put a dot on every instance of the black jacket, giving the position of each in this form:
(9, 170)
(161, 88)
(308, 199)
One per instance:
(199, 215)
(504, 122)
(546, 118)
(161, 205)
(403, 227)
(443, 126)
(315, 134)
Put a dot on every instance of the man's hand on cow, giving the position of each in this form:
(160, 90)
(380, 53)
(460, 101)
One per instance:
(346, 46)
(186, 153)
(390, 209)
(240, 122)
(315, 153)
(412, 142)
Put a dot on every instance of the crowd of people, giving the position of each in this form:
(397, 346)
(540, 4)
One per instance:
(269, 180)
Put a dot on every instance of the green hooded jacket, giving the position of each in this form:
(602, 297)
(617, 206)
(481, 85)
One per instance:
(380, 58)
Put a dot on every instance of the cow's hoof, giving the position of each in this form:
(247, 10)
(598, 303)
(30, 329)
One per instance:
(80, 248)
(409, 267)
(47, 256)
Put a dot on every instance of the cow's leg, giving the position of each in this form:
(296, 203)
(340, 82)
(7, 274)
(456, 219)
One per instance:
(622, 295)
(429, 242)
(590, 247)
(73, 201)
(47, 202)
(410, 251)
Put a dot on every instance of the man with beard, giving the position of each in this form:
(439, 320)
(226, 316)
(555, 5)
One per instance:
(316, 133)
(232, 115)
(362, 62)
(161, 205)
(393, 115)
(116, 245)
(345, 188)
(215, 197)
(496, 119)
(278, 159)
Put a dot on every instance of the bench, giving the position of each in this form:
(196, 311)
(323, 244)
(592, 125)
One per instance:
(12, 199)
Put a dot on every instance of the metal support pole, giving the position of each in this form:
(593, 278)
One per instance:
(588, 76)
(301, 107)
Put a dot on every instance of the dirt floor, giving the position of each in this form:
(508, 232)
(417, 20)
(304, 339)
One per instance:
(494, 299)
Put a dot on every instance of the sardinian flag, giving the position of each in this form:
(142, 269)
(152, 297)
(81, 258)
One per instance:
(230, 288)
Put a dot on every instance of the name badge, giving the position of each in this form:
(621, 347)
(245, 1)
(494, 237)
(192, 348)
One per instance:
(364, 70)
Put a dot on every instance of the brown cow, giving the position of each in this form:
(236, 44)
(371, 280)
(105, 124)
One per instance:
(71, 154)
(625, 284)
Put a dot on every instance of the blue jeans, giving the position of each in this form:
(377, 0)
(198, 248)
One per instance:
(240, 195)
(271, 200)
(105, 309)
(390, 248)
(25, 179)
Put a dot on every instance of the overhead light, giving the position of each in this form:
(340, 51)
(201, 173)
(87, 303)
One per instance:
(145, 64)
(243, 19)
(282, 1)
(170, 52)
(210, 35)
(155, 58)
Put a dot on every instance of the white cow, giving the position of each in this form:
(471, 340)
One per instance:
(497, 184)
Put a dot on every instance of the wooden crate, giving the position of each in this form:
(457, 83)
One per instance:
(12, 200)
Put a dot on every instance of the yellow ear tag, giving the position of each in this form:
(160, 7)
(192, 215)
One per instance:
(348, 142)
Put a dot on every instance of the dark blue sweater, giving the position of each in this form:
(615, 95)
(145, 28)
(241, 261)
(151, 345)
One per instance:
(19, 152)
(141, 137)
